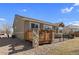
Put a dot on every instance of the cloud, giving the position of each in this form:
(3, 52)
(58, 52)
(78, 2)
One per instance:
(76, 4)
(74, 23)
(24, 10)
(66, 10)
(2, 19)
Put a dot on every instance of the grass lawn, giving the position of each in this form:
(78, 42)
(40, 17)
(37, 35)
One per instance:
(69, 47)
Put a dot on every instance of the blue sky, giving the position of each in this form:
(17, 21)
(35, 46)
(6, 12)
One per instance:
(52, 12)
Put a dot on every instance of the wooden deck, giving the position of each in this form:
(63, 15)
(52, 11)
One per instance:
(45, 36)
(76, 34)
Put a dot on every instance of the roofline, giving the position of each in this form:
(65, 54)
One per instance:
(39, 21)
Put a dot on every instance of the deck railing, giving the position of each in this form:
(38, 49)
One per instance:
(39, 36)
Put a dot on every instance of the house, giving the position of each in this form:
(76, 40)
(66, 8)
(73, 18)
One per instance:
(72, 28)
(35, 30)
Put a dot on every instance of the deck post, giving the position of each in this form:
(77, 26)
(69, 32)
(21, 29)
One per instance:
(60, 39)
(53, 36)
(61, 36)
(35, 38)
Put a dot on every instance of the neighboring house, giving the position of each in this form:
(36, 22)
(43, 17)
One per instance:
(67, 30)
(72, 29)
(25, 27)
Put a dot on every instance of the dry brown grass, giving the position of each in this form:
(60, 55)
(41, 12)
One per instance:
(66, 48)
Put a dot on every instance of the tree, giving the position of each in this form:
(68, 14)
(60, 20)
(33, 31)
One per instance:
(6, 29)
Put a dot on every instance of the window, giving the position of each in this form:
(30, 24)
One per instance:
(34, 25)
(55, 28)
(46, 27)
(60, 28)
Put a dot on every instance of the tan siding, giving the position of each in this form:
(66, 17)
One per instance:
(26, 25)
(26, 28)
(19, 27)
(41, 25)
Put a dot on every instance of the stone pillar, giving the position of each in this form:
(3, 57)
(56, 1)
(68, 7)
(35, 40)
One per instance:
(35, 38)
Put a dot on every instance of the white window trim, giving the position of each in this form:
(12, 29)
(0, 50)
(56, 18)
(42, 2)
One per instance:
(47, 26)
(35, 23)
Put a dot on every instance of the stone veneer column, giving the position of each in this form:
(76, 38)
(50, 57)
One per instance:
(35, 38)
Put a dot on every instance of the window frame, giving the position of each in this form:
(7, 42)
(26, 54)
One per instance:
(48, 27)
(38, 25)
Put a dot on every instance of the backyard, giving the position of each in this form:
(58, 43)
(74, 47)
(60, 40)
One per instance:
(9, 46)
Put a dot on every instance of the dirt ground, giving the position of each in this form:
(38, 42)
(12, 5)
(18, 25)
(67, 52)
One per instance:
(9, 46)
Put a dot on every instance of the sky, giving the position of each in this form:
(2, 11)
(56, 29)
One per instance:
(68, 13)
